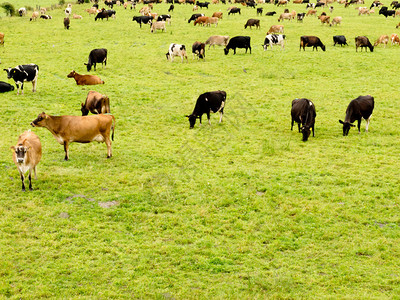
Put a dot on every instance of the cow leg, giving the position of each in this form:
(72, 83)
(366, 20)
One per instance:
(22, 88)
(221, 113)
(34, 171)
(30, 180)
(291, 128)
(34, 85)
(234, 50)
(94, 66)
(313, 133)
(208, 118)
(359, 125)
(298, 125)
(366, 126)
(66, 147)
(22, 179)
(17, 88)
(108, 143)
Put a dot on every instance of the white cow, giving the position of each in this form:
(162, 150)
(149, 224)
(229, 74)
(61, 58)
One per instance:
(274, 39)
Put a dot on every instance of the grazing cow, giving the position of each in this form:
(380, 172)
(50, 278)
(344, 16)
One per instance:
(220, 40)
(96, 56)
(85, 79)
(5, 87)
(276, 29)
(285, 16)
(201, 20)
(217, 14)
(238, 42)
(339, 39)
(206, 103)
(212, 20)
(303, 112)
(176, 50)
(319, 4)
(252, 22)
(23, 73)
(270, 13)
(171, 8)
(300, 17)
(363, 42)
(158, 26)
(26, 155)
(282, 2)
(45, 17)
(336, 21)
(324, 19)
(34, 16)
(234, 10)
(251, 4)
(96, 103)
(383, 39)
(310, 5)
(22, 11)
(201, 5)
(387, 13)
(297, 1)
(68, 12)
(75, 16)
(311, 12)
(1, 38)
(92, 11)
(103, 14)
(69, 129)
(143, 19)
(259, 11)
(194, 17)
(199, 49)
(394, 38)
(165, 18)
(311, 41)
(274, 39)
(66, 23)
(363, 11)
(361, 107)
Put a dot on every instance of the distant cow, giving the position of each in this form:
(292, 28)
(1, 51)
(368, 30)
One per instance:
(387, 13)
(23, 73)
(383, 39)
(259, 11)
(363, 42)
(201, 20)
(96, 56)
(69, 129)
(166, 18)
(274, 39)
(2, 38)
(176, 50)
(300, 17)
(217, 14)
(238, 42)
(206, 103)
(96, 103)
(361, 107)
(194, 17)
(34, 16)
(5, 87)
(336, 21)
(276, 29)
(22, 11)
(85, 79)
(303, 112)
(66, 23)
(26, 155)
(234, 10)
(212, 20)
(159, 25)
(285, 16)
(103, 14)
(143, 20)
(68, 12)
(200, 4)
(220, 40)
(311, 41)
(171, 8)
(199, 49)
(394, 38)
(339, 39)
(252, 22)
(75, 16)
(270, 13)
(45, 17)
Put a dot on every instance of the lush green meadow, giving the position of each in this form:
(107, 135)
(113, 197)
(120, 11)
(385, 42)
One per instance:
(242, 209)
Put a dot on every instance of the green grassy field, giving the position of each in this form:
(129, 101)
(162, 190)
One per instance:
(242, 209)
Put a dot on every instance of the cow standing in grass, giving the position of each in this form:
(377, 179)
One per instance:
(361, 107)
(96, 56)
(303, 112)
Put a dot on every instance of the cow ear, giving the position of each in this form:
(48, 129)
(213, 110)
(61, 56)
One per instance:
(340, 121)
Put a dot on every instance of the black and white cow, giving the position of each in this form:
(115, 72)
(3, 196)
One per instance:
(194, 17)
(166, 18)
(176, 50)
(274, 39)
(207, 103)
(143, 19)
(5, 87)
(339, 39)
(23, 73)
(361, 107)
(199, 49)
(96, 56)
(303, 112)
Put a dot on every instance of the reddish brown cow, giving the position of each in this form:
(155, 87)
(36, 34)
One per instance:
(201, 20)
(96, 103)
(217, 14)
(86, 129)
(85, 79)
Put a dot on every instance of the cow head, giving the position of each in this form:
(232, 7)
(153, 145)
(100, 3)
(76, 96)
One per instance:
(40, 120)
(226, 51)
(88, 66)
(323, 47)
(84, 110)
(20, 151)
(71, 75)
(306, 131)
(346, 127)
(9, 76)
(192, 120)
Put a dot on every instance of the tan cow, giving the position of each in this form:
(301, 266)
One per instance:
(212, 20)
(160, 25)
(394, 38)
(336, 21)
(220, 40)
(76, 16)
(92, 11)
(85, 79)
(276, 29)
(35, 15)
(282, 2)
(96, 103)
(68, 129)
(26, 155)
(383, 39)
(312, 12)
(324, 19)
(285, 16)
(217, 14)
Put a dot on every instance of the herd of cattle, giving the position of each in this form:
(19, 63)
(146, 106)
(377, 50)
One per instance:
(98, 127)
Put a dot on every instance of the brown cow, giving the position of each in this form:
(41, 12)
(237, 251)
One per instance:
(66, 23)
(212, 20)
(275, 29)
(201, 20)
(252, 22)
(324, 19)
(26, 155)
(312, 12)
(68, 129)
(220, 40)
(383, 39)
(96, 103)
(85, 79)
(394, 38)
(363, 42)
(1, 38)
(218, 15)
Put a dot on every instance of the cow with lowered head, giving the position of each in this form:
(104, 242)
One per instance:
(23, 73)
(206, 103)
(303, 112)
(96, 56)
(96, 103)
(361, 107)
(311, 41)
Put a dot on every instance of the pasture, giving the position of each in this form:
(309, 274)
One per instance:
(238, 210)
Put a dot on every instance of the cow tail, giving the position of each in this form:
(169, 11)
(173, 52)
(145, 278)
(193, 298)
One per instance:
(113, 128)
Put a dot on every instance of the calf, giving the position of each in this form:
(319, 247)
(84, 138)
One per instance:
(5, 87)
(300, 17)
(274, 39)
(394, 38)
(212, 20)
(75, 16)
(23, 73)
(69, 129)
(220, 40)
(143, 19)
(66, 23)
(26, 155)
(361, 107)
(85, 79)
(383, 39)
(206, 103)
(96, 103)
(238, 42)
(270, 13)
(176, 50)
(311, 41)
(303, 112)
(259, 11)
(252, 22)
(234, 10)
(158, 26)
(96, 56)
(276, 29)
(339, 39)
(194, 17)
(363, 42)
(34, 16)
(199, 49)
(336, 21)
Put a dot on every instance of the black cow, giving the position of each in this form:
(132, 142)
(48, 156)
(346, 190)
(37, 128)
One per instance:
(207, 102)
(200, 4)
(66, 23)
(194, 17)
(251, 4)
(303, 112)
(111, 13)
(259, 11)
(252, 22)
(143, 19)
(199, 49)
(171, 8)
(311, 41)
(105, 14)
(234, 10)
(339, 39)
(96, 56)
(270, 13)
(319, 4)
(363, 42)
(238, 42)
(361, 107)
(5, 87)
(387, 13)
(23, 73)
